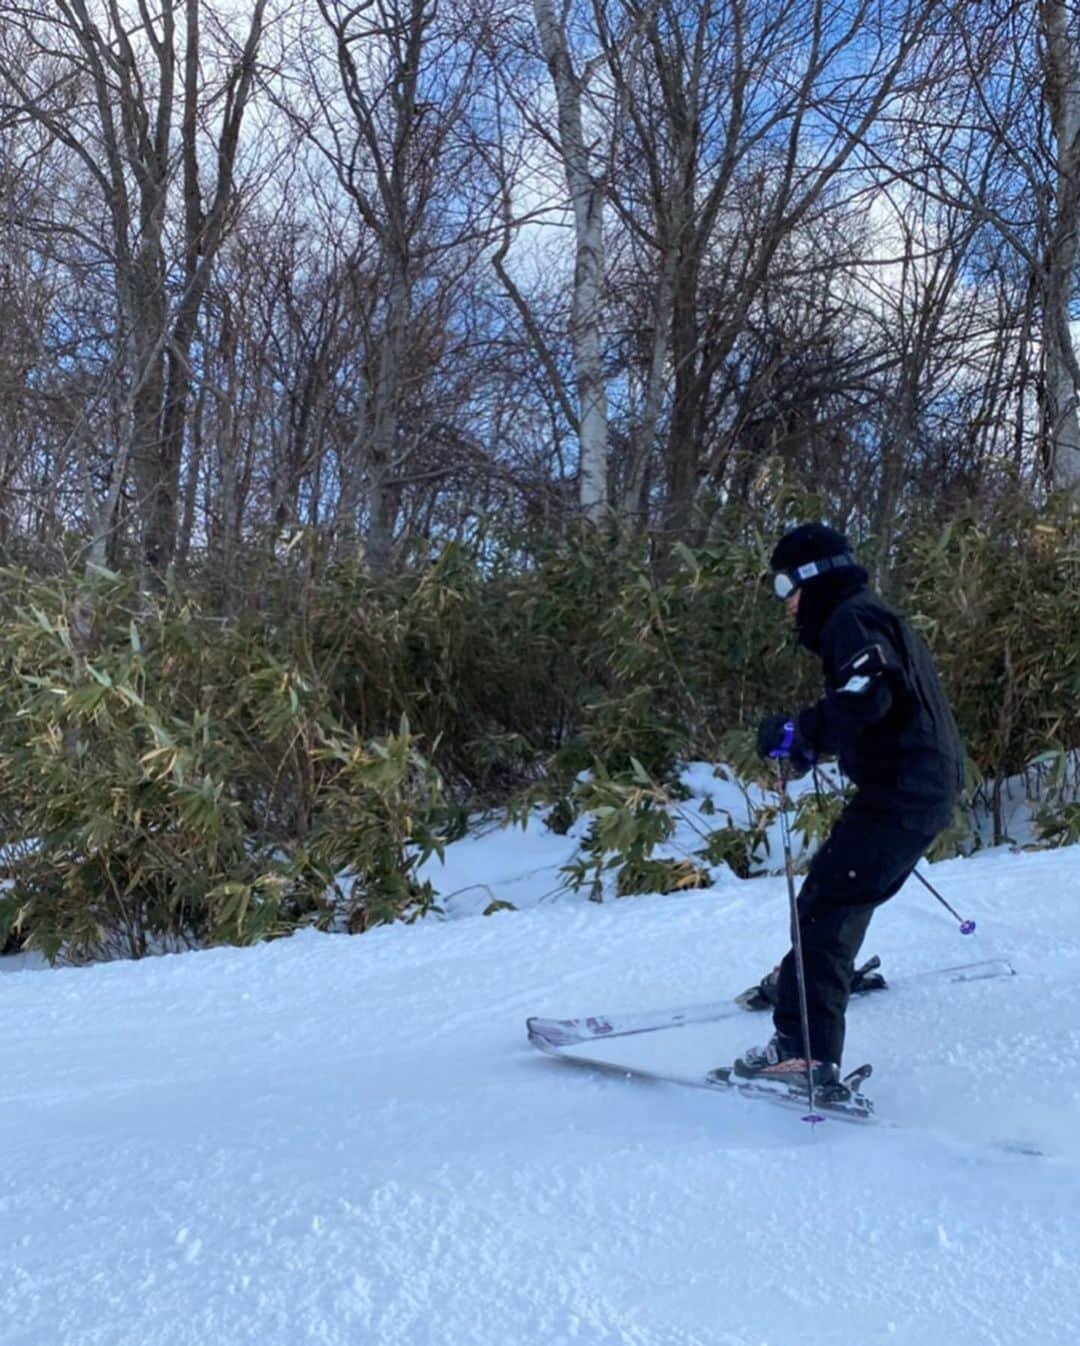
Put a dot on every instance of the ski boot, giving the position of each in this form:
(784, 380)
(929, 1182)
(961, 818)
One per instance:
(776, 1069)
(867, 978)
(766, 993)
(779, 1063)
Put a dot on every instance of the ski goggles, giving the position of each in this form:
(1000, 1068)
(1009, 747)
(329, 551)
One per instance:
(785, 582)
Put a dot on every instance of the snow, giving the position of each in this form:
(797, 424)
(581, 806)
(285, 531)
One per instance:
(348, 1140)
(523, 866)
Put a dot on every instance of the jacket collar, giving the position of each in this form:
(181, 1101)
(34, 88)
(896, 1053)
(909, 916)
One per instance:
(820, 597)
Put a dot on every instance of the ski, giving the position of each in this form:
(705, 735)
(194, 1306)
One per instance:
(567, 1032)
(857, 1108)
(548, 1034)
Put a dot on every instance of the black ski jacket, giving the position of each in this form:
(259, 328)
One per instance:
(885, 715)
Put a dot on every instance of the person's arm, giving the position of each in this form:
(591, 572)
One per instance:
(859, 693)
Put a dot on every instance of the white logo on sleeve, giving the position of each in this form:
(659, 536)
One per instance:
(856, 685)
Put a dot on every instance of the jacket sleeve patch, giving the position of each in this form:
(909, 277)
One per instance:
(857, 685)
(857, 675)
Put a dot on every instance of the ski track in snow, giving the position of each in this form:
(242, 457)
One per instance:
(333, 1140)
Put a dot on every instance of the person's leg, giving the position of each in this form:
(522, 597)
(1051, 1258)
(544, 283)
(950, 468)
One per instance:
(864, 862)
(831, 938)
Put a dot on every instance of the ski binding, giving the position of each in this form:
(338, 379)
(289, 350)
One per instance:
(844, 1097)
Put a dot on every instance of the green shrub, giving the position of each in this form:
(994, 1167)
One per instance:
(742, 849)
(631, 815)
(174, 782)
(383, 814)
(999, 603)
(169, 776)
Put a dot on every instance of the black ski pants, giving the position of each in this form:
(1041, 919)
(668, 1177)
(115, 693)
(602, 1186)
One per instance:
(865, 860)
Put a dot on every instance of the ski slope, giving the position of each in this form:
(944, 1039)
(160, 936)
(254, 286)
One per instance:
(348, 1140)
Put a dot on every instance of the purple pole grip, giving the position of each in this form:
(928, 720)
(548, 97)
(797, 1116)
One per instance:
(783, 748)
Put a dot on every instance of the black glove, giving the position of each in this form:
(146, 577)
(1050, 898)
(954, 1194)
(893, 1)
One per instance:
(778, 737)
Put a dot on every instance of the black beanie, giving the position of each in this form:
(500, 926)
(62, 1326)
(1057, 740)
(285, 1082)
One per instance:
(823, 593)
(808, 542)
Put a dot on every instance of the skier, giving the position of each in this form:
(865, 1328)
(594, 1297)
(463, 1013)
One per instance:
(885, 716)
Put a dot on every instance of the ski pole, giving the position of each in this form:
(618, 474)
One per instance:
(966, 927)
(796, 940)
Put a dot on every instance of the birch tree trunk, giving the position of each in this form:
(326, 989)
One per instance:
(587, 198)
(384, 468)
(1062, 85)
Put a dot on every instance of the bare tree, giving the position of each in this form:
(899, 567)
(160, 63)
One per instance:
(1060, 53)
(385, 99)
(586, 188)
(750, 120)
(1013, 101)
(126, 94)
(524, 263)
